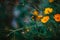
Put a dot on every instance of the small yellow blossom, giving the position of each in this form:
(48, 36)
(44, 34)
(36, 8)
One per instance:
(51, 1)
(35, 12)
(48, 10)
(38, 17)
(45, 19)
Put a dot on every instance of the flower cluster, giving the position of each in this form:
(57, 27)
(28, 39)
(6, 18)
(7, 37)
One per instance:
(45, 19)
(36, 15)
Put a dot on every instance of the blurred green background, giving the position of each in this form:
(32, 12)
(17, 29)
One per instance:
(16, 21)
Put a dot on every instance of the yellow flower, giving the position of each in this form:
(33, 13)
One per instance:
(35, 12)
(48, 10)
(45, 19)
(57, 17)
(51, 1)
(38, 17)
